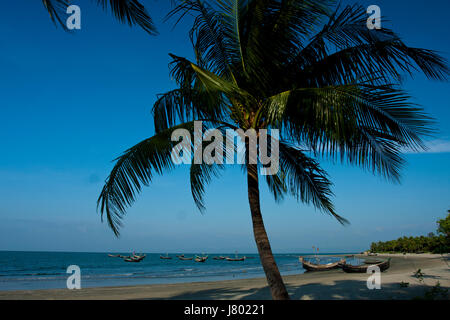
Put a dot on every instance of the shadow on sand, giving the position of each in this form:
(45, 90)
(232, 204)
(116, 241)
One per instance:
(340, 290)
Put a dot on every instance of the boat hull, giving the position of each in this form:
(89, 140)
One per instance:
(231, 259)
(363, 269)
(308, 266)
(201, 259)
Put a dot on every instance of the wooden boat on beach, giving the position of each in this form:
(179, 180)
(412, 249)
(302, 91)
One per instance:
(309, 266)
(371, 262)
(384, 265)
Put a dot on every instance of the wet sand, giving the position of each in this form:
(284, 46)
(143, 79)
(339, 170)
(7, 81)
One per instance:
(324, 285)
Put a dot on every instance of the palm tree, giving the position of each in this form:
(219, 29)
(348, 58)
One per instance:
(316, 73)
(131, 12)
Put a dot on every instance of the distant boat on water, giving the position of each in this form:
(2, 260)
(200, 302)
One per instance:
(235, 259)
(105, 271)
(134, 258)
(201, 259)
(166, 257)
(219, 258)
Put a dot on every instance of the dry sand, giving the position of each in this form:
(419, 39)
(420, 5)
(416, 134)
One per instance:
(316, 285)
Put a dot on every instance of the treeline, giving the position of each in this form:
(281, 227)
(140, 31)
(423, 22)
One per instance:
(432, 243)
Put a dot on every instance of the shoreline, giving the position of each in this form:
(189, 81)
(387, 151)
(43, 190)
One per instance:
(326, 285)
(102, 271)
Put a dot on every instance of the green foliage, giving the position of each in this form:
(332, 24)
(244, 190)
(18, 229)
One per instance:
(436, 244)
(444, 226)
(419, 275)
(436, 293)
(432, 243)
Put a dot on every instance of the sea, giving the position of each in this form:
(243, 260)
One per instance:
(49, 270)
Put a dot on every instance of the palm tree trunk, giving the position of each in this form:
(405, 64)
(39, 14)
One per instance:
(273, 276)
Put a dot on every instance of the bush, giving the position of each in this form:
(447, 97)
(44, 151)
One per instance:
(432, 243)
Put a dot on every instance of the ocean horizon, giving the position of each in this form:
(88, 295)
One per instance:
(38, 270)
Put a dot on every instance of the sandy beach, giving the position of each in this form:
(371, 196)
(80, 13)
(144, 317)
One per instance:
(326, 285)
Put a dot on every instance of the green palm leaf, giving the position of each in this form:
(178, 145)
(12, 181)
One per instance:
(133, 169)
(131, 12)
(306, 181)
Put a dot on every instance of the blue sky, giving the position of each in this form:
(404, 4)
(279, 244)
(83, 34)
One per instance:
(71, 103)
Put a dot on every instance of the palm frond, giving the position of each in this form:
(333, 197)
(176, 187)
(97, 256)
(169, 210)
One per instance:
(183, 105)
(346, 50)
(231, 15)
(56, 9)
(206, 36)
(191, 101)
(306, 180)
(201, 175)
(131, 12)
(133, 169)
(277, 185)
(363, 124)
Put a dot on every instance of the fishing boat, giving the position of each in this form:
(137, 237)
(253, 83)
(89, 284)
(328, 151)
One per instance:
(134, 258)
(309, 266)
(166, 257)
(219, 258)
(201, 259)
(114, 255)
(235, 259)
(371, 261)
(139, 257)
(384, 265)
(185, 258)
